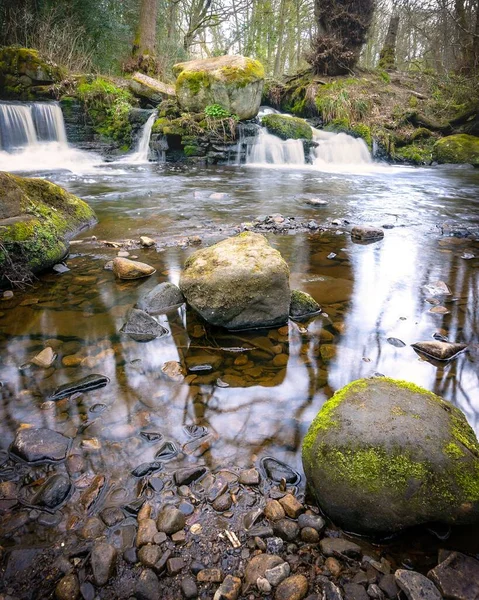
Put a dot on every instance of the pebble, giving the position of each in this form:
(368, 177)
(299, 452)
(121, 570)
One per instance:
(292, 588)
(277, 574)
(210, 576)
(149, 555)
(230, 589)
(309, 535)
(389, 586)
(286, 529)
(258, 566)
(291, 506)
(223, 503)
(146, 532)
(103, 557)
(45, 358)
(366, 233)
(148, 586)
(331, 546)
(8, 294)
(68, 588)
(188, 475)
(170, 520)
(146, 241)
(263, 585)
(189, 589)
(333, 566)
(273, 510)
(179, 537)
(249, 477)
(416, 586)
(174, 566)
(313, 521)
(274, 545)
(354, 591)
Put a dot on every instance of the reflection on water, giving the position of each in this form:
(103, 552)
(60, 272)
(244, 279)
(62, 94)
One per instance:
(254, 393)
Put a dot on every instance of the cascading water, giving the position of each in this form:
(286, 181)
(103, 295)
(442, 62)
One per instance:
(33, 137)
(141, 153)
(332, 149)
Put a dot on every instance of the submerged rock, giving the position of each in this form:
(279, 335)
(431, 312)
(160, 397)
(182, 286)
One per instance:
(366, 233)
(86, 384)
(239, 283)
(125, 268)
(37, 220)
(141, 327)
(383, 455)
(45, 358)
(439, 350)
(52, 493)
(233, 82)
(40, 445)
(161, 298)
(302, 305)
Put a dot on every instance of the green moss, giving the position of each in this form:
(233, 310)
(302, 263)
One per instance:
(453, 450)
(415, 154)
(363, 131)
(287, 127)
(191, 150)
(252, 71)
(458, 149)
(194, 80)
(302, 304)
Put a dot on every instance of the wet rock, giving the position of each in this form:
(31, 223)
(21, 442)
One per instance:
(40, 445)
(291, 506)
(130, 556)
(188, 475)
(148, 586)
(354, 591)
(292, 588)
(91, 494)
(141, 327)
(167, 451)
(422, 472)
(13, 521)
(258, 566)
(332, 546)
(175, 566)
(309, 535)
(263, 585)
(389, 586)
(160, 299)
(45, 358)
(146, 532)
(334, 566)
(273, 511)
(374, 591)
(274, 545)
(92, 528)
(286, 529)
(223, 503)
(53, 492)
(80, 386)
(210, 576)
(218, 283)
(366, 234)
(112, 516)
(277, 574)
(313, 521)
(249, 477)
(123, 268)
(416, 586)
(439, 350)
(146, 241)
(230, 589)
(173, 370)
(302, 305)
(219, 487)
(330, 591)
(437, 288)
(68, 588)
(189, 589)
(457, 577)
(170, 520)
(147, 468)
(103, 558)
(277, 470)
(149, 555)
(397, 343)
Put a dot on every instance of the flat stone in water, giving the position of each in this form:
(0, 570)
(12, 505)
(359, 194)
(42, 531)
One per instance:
(141, 327)
(195, 431)
(88, 383)
(52, 493)
(146, 469)
(366, 233)
(439, 350)
(40, 445)
(168, 451)
(397, 343)
(277, 470)
(161, 299)
(416, 586)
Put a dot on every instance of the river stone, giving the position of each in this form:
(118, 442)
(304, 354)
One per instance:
(170, 520)
(53, 492)
(457, 577)
(45, 358)
(148, 586)
(103, 557)
(302, 305)
(141, 327)
(258, 566)
(292, 588)
(366, 233)
(68, 588)
(233, 82)
(383, 455)
(160, 299)
(416, 586)
(333, 546)
(131, 269)
(40, 445)
(230, 589)
(239, 283)
(439, 350)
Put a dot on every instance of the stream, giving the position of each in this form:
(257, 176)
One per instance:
(376, 301)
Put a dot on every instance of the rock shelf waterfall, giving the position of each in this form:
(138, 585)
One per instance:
(339, 149)
(33, 135)
(141, 153)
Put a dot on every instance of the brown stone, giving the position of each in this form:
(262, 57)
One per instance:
(292, 588)
(291, 506)
(274, 511)
(210, 576)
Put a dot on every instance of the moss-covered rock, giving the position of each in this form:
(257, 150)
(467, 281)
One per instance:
(287, 128)
(37, 218)
(239, 283)
(457, 149)
(302, 305)
(383, 455)
(25, 75)
(233, 82)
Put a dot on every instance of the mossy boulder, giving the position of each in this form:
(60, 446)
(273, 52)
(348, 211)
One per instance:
(25, 75)
(287, 128)
(457, 149)
(233, 82)
(302, 305)
(383, 455)
(239, 283)
(37, 218)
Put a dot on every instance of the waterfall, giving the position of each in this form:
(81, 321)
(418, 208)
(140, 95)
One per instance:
(141, 153)
(33, 138)
(271, 150)
(339, 149)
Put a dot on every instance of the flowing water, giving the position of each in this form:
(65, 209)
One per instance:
(250, 404)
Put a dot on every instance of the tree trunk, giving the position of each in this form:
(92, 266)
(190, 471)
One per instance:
(145, 40)
(279, 48)
(387, 56)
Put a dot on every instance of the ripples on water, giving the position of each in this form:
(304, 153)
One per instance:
(250, 403)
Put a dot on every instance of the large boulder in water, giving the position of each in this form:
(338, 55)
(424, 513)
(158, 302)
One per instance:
(233, 82)
(37, 218)
(459, 149)
(383, 455)
(239, 283)
(287, 128)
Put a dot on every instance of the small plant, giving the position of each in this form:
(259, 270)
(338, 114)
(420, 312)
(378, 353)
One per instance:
(216, 111)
